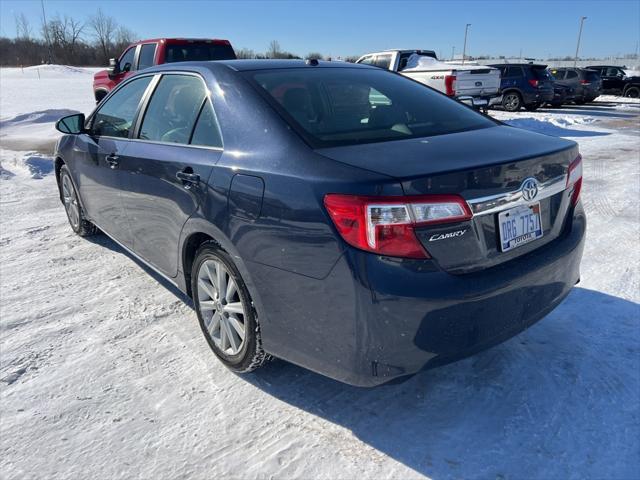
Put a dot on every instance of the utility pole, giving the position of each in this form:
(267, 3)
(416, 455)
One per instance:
(575, 60)
(453, 53)
(46, 32)
(464, 49)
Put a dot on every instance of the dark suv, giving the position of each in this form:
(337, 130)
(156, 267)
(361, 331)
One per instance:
(525, 85)
(586, 83)
(616, 82)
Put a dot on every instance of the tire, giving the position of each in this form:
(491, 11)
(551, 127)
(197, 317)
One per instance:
(632, 92)
(531, 107)
(234, 310)
(70, 199)
(511, 101)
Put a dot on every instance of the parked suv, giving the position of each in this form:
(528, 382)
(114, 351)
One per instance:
(616, 82)
(525, 85)
(337, 216)
(147, 53)
(586, 83)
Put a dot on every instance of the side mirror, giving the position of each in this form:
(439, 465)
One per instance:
(114, 67)
(71, 124)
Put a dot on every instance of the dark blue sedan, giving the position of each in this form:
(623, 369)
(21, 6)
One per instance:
(341, 217)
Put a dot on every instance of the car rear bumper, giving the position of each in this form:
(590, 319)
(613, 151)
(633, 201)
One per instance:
(415, 319)
(373, 319)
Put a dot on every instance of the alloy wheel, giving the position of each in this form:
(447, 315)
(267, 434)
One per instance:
(221, 307)
(511, 102)
(70, 200)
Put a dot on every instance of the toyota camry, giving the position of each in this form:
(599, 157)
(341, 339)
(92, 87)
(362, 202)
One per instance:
(338, 216)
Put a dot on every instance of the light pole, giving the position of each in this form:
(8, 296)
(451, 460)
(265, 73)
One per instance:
(464, 49)
(453, 53)
(575, 60)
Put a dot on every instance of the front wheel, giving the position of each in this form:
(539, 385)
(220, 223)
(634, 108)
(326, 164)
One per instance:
(75, 215)
(632, 92)
(225, 310)
(511, 101)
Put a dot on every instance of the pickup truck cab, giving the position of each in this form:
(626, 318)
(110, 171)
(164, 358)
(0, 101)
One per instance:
(615, 81)
(148, 53)
(472, 84)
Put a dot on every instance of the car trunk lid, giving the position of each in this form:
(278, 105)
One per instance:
(486, 167)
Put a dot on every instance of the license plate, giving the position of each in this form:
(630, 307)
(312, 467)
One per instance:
(519, 226)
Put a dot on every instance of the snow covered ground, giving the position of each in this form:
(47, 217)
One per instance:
(104, 374)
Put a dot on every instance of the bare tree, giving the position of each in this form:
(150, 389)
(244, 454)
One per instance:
(23, 27)
(104, 28)
(245, 53)
(314, 55)
(274, 49)
(124, 36)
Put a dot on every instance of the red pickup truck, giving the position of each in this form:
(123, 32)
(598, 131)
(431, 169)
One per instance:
(147, 53)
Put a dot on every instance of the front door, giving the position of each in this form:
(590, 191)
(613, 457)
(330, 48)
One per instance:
(99, 154)
(167, 168)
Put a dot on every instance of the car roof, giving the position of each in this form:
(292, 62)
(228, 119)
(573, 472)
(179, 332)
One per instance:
(531, 65)
(251, 65)
(269, 64)
(218, 41)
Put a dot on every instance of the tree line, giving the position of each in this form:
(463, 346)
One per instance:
(69, 41)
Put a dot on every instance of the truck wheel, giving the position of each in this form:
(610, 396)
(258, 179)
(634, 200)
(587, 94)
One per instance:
(632, 92)
(531, 107)
(511, 101)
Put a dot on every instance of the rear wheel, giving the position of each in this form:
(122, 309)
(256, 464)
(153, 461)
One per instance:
(225, 310)
(511, 101)
(75, 215)
(531, 107)
(632, 92)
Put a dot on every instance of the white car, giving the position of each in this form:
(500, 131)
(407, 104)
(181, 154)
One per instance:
(475, 85)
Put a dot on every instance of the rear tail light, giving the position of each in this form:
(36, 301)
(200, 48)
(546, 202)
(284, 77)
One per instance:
(574, 179)
(450, 85)
(534, 83)
(585, 82)
(385, 225)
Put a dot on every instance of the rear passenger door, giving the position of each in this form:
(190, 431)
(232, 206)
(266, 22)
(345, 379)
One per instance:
(168, 163)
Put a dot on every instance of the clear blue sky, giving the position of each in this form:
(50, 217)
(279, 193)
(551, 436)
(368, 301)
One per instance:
(338, 28)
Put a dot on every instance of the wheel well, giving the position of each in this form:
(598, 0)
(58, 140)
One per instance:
(191, 246)
(512, 90)
(58, 165)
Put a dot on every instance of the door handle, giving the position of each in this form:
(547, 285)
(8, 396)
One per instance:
(188, 177)
(113, 160)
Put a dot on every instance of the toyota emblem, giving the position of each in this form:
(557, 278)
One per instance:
(529, 189)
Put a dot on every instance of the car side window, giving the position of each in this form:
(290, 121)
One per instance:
(116, 114)
(514, 72)
(173, 109)
(572, 74)
(147, 54)
(383, 61)
(207, 130)
(611, 72)
(126, 61)
(367, 60)
(558, 74)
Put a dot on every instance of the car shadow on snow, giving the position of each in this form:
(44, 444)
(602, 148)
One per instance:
(590, 111)
(105, 241)
(559, 400)
(548, 128)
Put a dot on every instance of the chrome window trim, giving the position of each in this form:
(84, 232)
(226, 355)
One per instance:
(503, 201)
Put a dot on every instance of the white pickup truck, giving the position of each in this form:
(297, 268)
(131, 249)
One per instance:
(475, 85)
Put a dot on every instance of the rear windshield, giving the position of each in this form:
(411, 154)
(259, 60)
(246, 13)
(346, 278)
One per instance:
(541, 73)
(198, 52)
(592, 76)
(349, 106)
